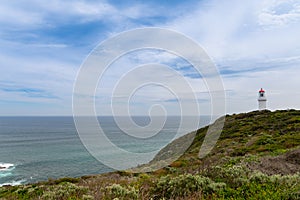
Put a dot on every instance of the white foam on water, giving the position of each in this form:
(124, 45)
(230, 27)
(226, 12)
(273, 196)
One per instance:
(6, 166)
(13, 183)
(5, 174)
(5, 170)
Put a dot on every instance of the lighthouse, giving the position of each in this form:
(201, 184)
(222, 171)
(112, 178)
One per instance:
(262, 100)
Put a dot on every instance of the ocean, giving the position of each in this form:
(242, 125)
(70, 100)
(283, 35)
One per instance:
(38, 148)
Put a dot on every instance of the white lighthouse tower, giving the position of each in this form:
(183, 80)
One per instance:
(262, 100)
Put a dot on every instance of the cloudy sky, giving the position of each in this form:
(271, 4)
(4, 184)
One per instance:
(43, 44)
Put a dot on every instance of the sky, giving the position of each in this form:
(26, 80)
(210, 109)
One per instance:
(43, 44)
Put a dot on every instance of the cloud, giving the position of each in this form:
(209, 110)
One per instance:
(253, 43)
(43, 44)
(235, 30)
(13, 14)
(32, 13)
(31, 92)
(155, 84)
(280, 13)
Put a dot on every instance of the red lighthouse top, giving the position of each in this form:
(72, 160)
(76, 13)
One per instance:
(261, 91)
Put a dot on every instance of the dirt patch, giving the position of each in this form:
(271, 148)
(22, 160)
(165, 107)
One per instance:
(288, 163)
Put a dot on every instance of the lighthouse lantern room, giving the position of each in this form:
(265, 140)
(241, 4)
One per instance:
(262, 100)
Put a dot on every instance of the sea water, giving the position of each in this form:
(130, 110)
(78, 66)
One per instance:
(38, 148)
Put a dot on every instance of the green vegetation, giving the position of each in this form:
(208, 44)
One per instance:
(256, 157)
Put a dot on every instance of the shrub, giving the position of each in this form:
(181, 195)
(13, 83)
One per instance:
(64, 190)
(185, 185)
(234, 176)
(117, 191)
(261, 178)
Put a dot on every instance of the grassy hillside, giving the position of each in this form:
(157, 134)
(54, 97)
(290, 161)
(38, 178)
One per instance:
(255, 133)
(256, 157)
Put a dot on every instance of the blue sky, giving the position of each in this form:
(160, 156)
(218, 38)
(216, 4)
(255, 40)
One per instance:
(253, 43)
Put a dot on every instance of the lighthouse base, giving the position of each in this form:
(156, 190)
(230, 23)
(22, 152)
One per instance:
(262, 105)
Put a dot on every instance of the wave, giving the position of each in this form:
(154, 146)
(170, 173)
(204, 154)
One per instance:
(13, 183)
(5, 174)
(6, 170)
(6, 166)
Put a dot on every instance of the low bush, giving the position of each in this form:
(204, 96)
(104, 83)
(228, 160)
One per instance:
(116, 191)
(185, 185)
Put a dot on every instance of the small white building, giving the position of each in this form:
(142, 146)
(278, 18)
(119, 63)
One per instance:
(262, 100)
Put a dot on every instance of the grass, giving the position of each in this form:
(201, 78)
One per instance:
(230, 171)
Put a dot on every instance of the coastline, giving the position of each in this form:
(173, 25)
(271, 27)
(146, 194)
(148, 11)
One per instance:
(239, 166)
